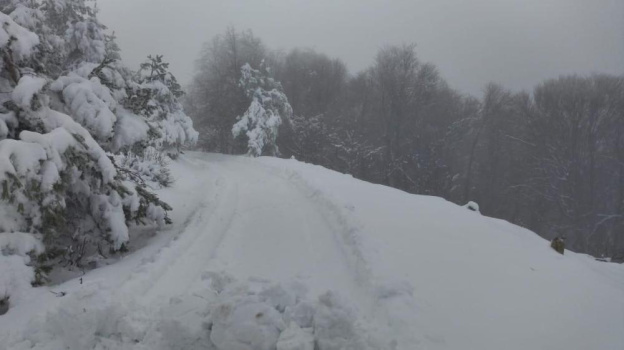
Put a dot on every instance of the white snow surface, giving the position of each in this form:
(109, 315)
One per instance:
(129, 129)
(277, 254)
(26, 89)
(20, 40)
(89, 102)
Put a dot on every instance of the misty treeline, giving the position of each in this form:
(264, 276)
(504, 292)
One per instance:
(551, 160)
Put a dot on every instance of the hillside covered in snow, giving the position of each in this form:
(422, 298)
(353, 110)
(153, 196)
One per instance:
(114, 235)
(277, 254)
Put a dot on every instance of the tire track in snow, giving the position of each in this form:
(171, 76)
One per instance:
(378, 294)
(188, 261)
(157, 273)
(274, 217)
(344, 231)
(208, 234)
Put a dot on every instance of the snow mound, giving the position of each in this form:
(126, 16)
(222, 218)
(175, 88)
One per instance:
(295, 338)
(472, 206)
(260, 315)
(226, 315)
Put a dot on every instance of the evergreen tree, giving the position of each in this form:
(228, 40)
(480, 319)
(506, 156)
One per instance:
(67, 130)
(268, 109)
(154, 95)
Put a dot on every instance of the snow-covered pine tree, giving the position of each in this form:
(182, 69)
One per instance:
(153, 96)
(63, 123)
(268, 109)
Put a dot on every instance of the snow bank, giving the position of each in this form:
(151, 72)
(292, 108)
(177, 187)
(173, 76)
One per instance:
(458, 280)
(260, 315)
(225, 315)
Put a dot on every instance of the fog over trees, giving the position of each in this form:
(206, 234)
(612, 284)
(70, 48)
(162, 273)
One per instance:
(288, 199)
(550, 159)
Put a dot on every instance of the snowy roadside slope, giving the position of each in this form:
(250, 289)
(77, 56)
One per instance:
(476, 282)
(257, 243)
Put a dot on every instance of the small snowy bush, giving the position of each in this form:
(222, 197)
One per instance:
(472, 206)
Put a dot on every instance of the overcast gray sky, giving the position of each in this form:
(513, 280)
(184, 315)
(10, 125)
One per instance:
(517, 43)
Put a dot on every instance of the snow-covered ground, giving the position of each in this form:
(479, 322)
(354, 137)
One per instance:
(276, 254)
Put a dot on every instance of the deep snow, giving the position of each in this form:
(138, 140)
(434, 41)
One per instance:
(276, 254)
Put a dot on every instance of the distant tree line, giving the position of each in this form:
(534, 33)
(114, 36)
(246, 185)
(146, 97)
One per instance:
(551, 160)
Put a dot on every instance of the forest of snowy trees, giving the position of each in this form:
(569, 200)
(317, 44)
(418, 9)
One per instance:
(551, 160)
(83, 140)
(127, 223)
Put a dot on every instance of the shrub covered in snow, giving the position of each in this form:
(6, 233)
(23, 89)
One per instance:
(269, 108)
(472, 206)
(73, 139)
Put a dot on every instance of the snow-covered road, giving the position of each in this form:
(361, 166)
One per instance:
(257, 244)
(274, 231)
(235, 220)
(253, 223)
